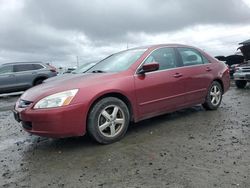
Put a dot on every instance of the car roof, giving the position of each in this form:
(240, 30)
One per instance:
(161, 45)
(155, 46)
(24, 62)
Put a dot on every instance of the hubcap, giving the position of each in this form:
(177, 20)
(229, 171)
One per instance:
(215, 95)
(111, 121)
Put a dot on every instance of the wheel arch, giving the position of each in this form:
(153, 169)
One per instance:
(41, 77)
(118, 95)
(221, 83)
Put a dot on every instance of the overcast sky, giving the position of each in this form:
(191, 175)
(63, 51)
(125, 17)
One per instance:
(57, 31)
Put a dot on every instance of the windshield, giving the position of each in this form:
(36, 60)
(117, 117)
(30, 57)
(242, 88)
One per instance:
(83, 68)
(118, 62)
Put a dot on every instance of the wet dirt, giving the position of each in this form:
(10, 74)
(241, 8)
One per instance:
(188, 148)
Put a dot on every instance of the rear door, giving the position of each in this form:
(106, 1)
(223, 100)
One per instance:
(25, 75)
(161, 90)
(198, 72)
(7, 78)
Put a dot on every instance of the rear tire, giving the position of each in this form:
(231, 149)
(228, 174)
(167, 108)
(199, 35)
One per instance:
(108, 120)
(39, 81)
(214, 96)
(240, 83)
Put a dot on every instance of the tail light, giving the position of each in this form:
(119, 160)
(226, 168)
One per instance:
(52, 69)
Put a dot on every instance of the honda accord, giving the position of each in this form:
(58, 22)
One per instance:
(125, 87)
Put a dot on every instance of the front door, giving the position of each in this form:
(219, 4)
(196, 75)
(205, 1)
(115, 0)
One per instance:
(159, 91)
(25, 74)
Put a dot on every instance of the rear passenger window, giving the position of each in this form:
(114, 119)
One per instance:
(6, 69)
(164, 56)
(23, 67)
(190, 56)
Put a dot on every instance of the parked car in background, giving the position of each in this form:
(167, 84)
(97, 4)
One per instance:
(233, 61)
(242, 73)
(84, 67)
(125, 87)
(69, 70)
(80, 70)
(20, 76)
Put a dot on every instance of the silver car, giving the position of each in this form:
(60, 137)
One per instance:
(242, 75)
(23, 75)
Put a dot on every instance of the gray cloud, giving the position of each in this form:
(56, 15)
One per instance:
(60, 30)
(114, 18)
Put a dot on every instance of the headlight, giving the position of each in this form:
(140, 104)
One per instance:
(59, 99)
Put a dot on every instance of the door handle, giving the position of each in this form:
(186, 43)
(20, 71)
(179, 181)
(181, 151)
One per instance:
(177, 75)
(208, 69)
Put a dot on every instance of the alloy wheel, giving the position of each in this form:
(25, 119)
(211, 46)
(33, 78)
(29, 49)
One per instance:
(111, 121)
(215, 95)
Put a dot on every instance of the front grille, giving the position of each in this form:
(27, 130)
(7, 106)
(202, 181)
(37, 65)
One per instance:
(24, 103)
(245, 70)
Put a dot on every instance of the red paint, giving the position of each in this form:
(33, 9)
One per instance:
(151, 94)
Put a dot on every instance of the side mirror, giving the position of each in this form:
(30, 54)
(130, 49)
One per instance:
(149, 67)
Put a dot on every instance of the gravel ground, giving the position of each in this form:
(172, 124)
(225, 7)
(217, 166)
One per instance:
(188, 148)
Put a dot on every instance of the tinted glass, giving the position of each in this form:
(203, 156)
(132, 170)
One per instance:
(37, 66)
(164, 56)
(6, 69)
(83, 68)
(118, 62)
(190, 56)
(205, 60)
(23, 67)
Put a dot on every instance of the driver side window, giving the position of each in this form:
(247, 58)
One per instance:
(164, 56)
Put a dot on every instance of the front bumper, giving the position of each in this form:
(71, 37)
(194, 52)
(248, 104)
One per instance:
(58, 122)
(242, 76)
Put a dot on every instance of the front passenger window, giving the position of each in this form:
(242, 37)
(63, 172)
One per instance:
(164, 56)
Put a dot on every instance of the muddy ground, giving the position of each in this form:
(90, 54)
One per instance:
(188, 148)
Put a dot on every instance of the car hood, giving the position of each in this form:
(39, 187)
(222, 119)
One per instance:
(231, 59)
(60, 77)
(234, 59)
(71, 81)
(245, 49)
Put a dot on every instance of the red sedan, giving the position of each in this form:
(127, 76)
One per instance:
(125, 87)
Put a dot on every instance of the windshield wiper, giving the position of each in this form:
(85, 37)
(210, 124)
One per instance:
(98, 71)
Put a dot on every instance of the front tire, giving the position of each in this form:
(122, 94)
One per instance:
(214, 96)
(240, 83)
(108, 120)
